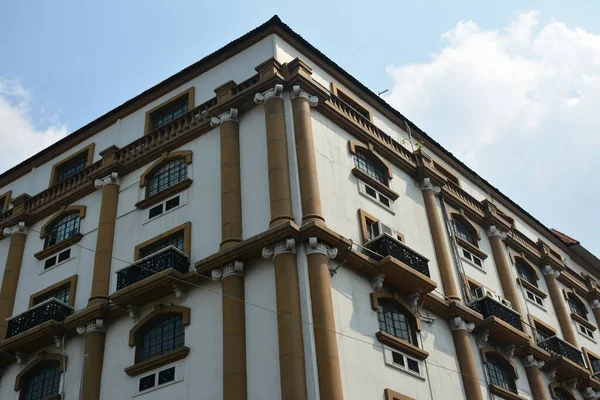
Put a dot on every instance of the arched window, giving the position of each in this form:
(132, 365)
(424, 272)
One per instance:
(576, 306)
(41, 382)
(161, 335)
(525, 272)
(500, 372)
(370, 167)
(166, 176)
(63, 229)
(464, 230)
(397, 322)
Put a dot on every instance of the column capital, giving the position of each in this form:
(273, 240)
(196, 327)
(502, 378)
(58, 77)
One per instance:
(285, 246)
(96, 325)
(315, 246)
(297, 92)
(427, 185)
(20, 227)
(595, 303)
(275, 92)
(234, 268)
(548, 270)
(530, 361)
(111, 179)
(457, 324)
(231, 115)
(493, 231)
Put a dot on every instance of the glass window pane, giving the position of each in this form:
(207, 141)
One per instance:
(396, 322)
(167, 176)
(63, 229)
(371, 168)
(162, 337)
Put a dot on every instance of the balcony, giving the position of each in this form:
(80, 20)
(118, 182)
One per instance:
(557, 346)
(162, 260)
(49, 310)
(152, 277)
(404, 268)
(502, 322)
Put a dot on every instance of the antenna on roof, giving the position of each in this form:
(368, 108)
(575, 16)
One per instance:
(382, 92)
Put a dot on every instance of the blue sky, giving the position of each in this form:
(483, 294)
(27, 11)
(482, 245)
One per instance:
(63, 64)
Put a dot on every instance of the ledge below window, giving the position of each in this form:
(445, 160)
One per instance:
(532, 288)
(472, 248)
(504, 393)
(583, 322)
(375, 184)
(55, 248)
(401, 345)
(156, 362)
(160, 196)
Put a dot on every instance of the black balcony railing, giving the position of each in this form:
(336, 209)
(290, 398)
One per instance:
(556, 345)
(488, 306)
(169, 257)
(385, 245)
(49, 310)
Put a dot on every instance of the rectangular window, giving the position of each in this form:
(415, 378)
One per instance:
(350, 101)
(63, 294)
(471, 258)
(534, 298)
(174, 240)
(159, 378)
(169, 112)
(72, 165)
(165, 206)
(595, 364)
(59, 258)
(449, 175)
(585, 331)
(63, 291)
(375, 195)
(403, 362)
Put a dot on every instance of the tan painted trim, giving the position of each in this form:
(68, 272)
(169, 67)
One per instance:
(489, 349)
(558, 385)
(187, 239)
(461, 216)
(71, 282)
(48, 251)
(164, 159)
(157, 362)
(567, 293)
(159, 310)
(64, 210)
(354, 146)
(504, 393)
(5, 199)
(401, 345)
(351, 100)
(583, 322)
(42, 357)
(399, 301)
(363, 176)
(393, 395)
(538, 323)
(363, 216)
(521, 258)
(532, 288)
(190, 93)
(444, 171)
(470, 247)
(587, 353)
(88, 151)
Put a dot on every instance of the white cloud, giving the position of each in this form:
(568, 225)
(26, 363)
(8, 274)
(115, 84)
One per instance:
(519, 105)
(20, 136)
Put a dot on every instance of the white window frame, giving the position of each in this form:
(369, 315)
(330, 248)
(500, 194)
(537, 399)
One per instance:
(535, 299)
(389, 360)
(362, 189)
(179, 370)
(183, 199)
(73, 254)
(586, 332)
(470, 260)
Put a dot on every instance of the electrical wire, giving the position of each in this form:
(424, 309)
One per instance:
(371, 344)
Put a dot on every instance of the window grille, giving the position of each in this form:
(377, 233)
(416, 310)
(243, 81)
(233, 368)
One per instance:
(161, 337)
(169, 112)
(576, 307)
(43, 383)
(167, 176)
(71, 168)
(463, 231)
(526, 273)
(397, 322)
(176, 241)
(63, 229)
(63, 294)
(499, 374)
(371, 168)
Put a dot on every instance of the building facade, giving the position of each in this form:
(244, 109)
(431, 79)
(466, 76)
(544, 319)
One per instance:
(262, 226)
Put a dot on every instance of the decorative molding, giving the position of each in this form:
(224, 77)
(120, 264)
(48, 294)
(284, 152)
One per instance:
(112, 179)
(96, 325)
(377, 282)
(18, 228)
(548, 270)
(508, 351)
(595, 303)
(179, 291)
(427, 185)
(285, 246)
(314, 246)
(530, 361)
(133, 311)
(493, 231)
(483, 338)
(234, 268)
(457, 323)
(590, 394)
(552, 374)
(297, 92)
(261, 98)
(231, 115)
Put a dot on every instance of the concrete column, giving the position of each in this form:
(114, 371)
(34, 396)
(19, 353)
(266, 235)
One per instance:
(231, 184)
(305, 148)
(440, 244)
(234, 330)
(466, 360)
(106, 237)
(277, 156)
(328, 362)
(534, 377)
(564, 319)
(507, 281)
(93, 358)
(289, 320)
(12, 270)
